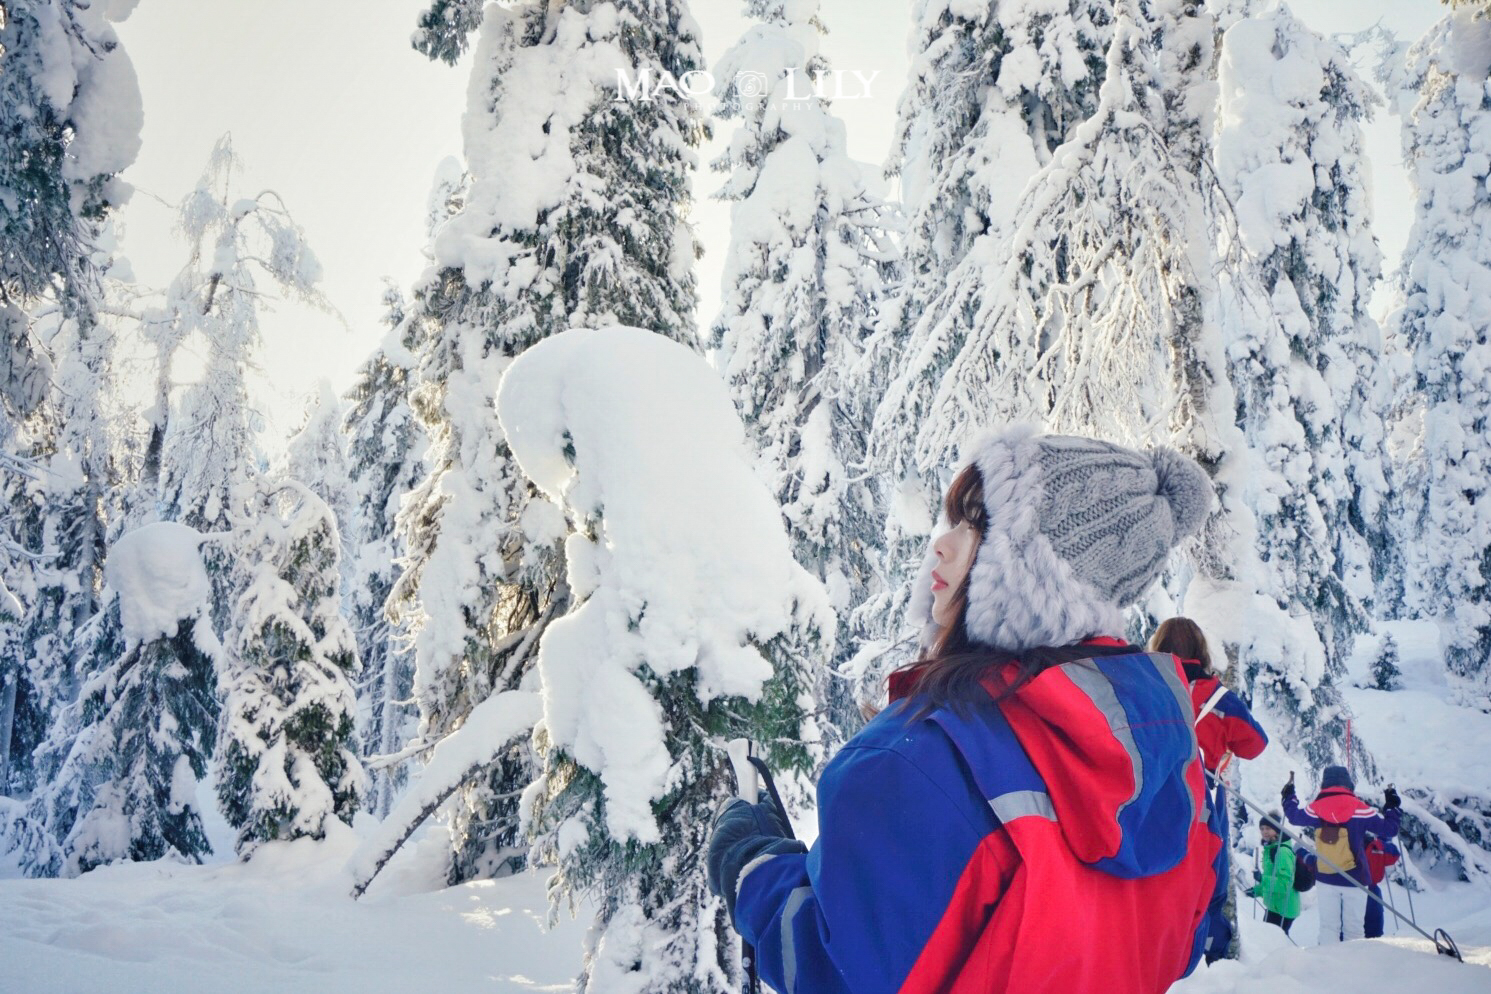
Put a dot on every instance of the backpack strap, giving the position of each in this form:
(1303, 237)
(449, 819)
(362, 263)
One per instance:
(1212, 701)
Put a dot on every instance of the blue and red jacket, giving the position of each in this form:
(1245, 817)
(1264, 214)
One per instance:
(1056, 841)
(1339, 806)
(1228, 727)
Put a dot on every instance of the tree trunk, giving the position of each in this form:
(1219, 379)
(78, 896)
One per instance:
(10, 680)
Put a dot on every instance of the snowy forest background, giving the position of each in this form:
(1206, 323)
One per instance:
(509, 594)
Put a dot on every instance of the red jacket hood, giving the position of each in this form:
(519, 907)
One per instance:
(1338, 805)
(1112, 738)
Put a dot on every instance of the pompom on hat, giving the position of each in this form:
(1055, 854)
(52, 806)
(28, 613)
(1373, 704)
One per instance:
(1078, 529)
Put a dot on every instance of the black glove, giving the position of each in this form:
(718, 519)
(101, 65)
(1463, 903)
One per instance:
(1258, 876)
(1288, 791)
(741, 832)
(1391, 800)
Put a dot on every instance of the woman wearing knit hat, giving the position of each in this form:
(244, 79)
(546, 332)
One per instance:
(1224, 728)
(1028, 814)
(1342, 821)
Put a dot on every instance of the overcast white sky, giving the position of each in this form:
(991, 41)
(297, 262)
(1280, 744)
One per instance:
(329, 106)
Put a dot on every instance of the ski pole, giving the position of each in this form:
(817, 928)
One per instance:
(771, 792)
(746, 788)
(1257, 877)
(1443, 944)
(1408, 890)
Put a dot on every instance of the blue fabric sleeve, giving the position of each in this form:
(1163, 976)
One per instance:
(1296, 815)
(1384, 824)
(1245, 737)
(854, 913)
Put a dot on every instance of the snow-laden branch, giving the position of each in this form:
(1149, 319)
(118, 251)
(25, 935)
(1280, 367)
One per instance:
(491, 727)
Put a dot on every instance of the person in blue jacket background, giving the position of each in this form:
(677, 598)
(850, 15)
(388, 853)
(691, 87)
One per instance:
(1028, 814)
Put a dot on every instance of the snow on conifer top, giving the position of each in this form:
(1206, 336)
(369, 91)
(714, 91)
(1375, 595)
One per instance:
(523, 159)
(158, 572)
(677, 548)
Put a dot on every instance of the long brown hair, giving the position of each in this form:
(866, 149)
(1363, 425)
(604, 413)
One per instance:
(951, 669)
(1182, 637)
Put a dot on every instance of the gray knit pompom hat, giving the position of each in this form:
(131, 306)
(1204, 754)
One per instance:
(1078, 529)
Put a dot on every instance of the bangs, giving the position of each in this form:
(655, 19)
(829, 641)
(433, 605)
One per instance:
(965, 500)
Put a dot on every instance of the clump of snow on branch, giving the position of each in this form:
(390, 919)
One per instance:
(677, 551)
(158, 572)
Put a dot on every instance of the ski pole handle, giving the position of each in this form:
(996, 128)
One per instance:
(747, 784)
(747, 788)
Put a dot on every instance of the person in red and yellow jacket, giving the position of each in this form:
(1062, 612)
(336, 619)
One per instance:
(1224, 728)
(1028, 814)
(1342, 822)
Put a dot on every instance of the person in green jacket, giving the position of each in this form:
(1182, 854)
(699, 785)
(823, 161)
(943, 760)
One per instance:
(1275, 886)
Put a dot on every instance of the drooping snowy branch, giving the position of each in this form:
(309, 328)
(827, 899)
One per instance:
(691, 623)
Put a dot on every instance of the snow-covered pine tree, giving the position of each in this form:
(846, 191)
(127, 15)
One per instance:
(1035, 319)
(70, 121)
(994, 90)
(317, 457)
(25, 377)
(207, 439)
(1386, 673)
(1446, 322)
(445, 28)
(73, 500)
(1312, 385)
(575, 216)
(122, 761)
(96, 772)
(11, 613)
(71, 494)
(681, 634)
(1482, 8)
(385, 450)
(208, 447)
(809, 260)
(286, 756)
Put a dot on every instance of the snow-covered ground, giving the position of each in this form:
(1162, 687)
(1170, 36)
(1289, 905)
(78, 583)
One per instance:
(283, 923)
(1401, 961)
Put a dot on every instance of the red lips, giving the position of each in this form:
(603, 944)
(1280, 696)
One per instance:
(937, 582)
